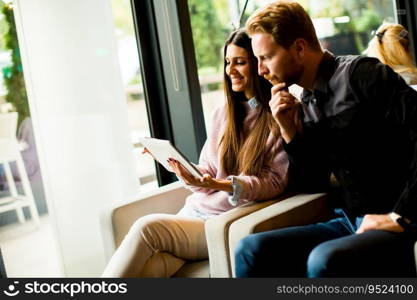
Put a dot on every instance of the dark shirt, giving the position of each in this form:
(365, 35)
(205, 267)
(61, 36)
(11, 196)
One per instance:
(359, 123)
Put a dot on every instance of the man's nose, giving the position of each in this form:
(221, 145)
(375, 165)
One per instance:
(262, 70)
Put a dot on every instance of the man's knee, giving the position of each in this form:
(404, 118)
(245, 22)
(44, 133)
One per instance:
(247, 251)
(325, 260)
(254, 253)
(247, 247)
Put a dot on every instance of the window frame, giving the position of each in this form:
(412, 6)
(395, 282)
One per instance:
(170, 78)
(407, 16)
(2, 267)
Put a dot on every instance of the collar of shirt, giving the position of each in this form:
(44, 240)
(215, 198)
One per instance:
(253, 103)
(325, 71)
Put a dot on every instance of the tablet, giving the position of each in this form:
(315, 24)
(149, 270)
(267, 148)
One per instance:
(163, 149)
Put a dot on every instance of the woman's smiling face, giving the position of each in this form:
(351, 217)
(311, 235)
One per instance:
(238, 69)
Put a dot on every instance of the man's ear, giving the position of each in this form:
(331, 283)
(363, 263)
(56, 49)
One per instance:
(299, 47)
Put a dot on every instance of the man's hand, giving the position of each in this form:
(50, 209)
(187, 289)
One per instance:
(284, 108)
(379, 222)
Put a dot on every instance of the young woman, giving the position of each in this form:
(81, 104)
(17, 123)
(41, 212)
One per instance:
(242, 161)
(391, 45)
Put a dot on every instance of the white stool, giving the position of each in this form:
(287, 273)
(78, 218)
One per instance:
(10, 152)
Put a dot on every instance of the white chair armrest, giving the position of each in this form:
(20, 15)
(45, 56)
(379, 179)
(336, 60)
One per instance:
(296, 210)
(116, 220)
(415, 253)
(217, 235)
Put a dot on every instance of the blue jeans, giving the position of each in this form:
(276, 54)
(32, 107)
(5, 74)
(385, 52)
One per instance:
(328, 249)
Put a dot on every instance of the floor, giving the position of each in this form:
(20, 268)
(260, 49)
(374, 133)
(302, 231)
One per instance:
(29, 251)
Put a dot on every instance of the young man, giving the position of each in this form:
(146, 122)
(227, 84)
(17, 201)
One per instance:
(359, 122)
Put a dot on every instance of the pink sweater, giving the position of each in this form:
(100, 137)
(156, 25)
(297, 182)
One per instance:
(274, 177)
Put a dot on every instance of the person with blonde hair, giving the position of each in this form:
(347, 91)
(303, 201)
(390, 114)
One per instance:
(391, 45)
(359, 122)
(242, 161)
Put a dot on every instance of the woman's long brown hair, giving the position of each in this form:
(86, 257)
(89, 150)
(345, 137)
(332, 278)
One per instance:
(238, 155)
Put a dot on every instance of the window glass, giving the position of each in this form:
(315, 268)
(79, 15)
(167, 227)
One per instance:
(43, 258)
(210, 23)
(343, 27)
(22, 242)
(132, 80)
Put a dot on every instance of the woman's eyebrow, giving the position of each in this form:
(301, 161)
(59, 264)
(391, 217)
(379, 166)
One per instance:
(227, 57)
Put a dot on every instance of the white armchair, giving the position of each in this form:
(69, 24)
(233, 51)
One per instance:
(223, 232)
(116, 221)
(300, 209)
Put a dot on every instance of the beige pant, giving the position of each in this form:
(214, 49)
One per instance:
(157, 245)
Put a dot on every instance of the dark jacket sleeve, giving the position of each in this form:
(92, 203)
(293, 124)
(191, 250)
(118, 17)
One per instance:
(309, 169)
(398, 102)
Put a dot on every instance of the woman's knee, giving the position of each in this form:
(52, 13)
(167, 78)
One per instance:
(147, 227)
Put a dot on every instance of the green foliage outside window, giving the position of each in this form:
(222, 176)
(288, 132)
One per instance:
(13, 74)
(208, 34)
(364, 16)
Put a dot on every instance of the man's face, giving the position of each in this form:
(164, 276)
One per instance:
(276, 63)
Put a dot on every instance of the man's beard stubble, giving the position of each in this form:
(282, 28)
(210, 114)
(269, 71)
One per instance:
(288, 78)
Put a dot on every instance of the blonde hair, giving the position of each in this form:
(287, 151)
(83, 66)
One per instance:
(391, 46)
(286, 21)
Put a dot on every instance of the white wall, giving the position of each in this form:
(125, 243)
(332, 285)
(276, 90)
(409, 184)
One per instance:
(79, 113)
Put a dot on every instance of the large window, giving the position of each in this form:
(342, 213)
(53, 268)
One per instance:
(22, 242)
(343, 27)
(31, 251)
